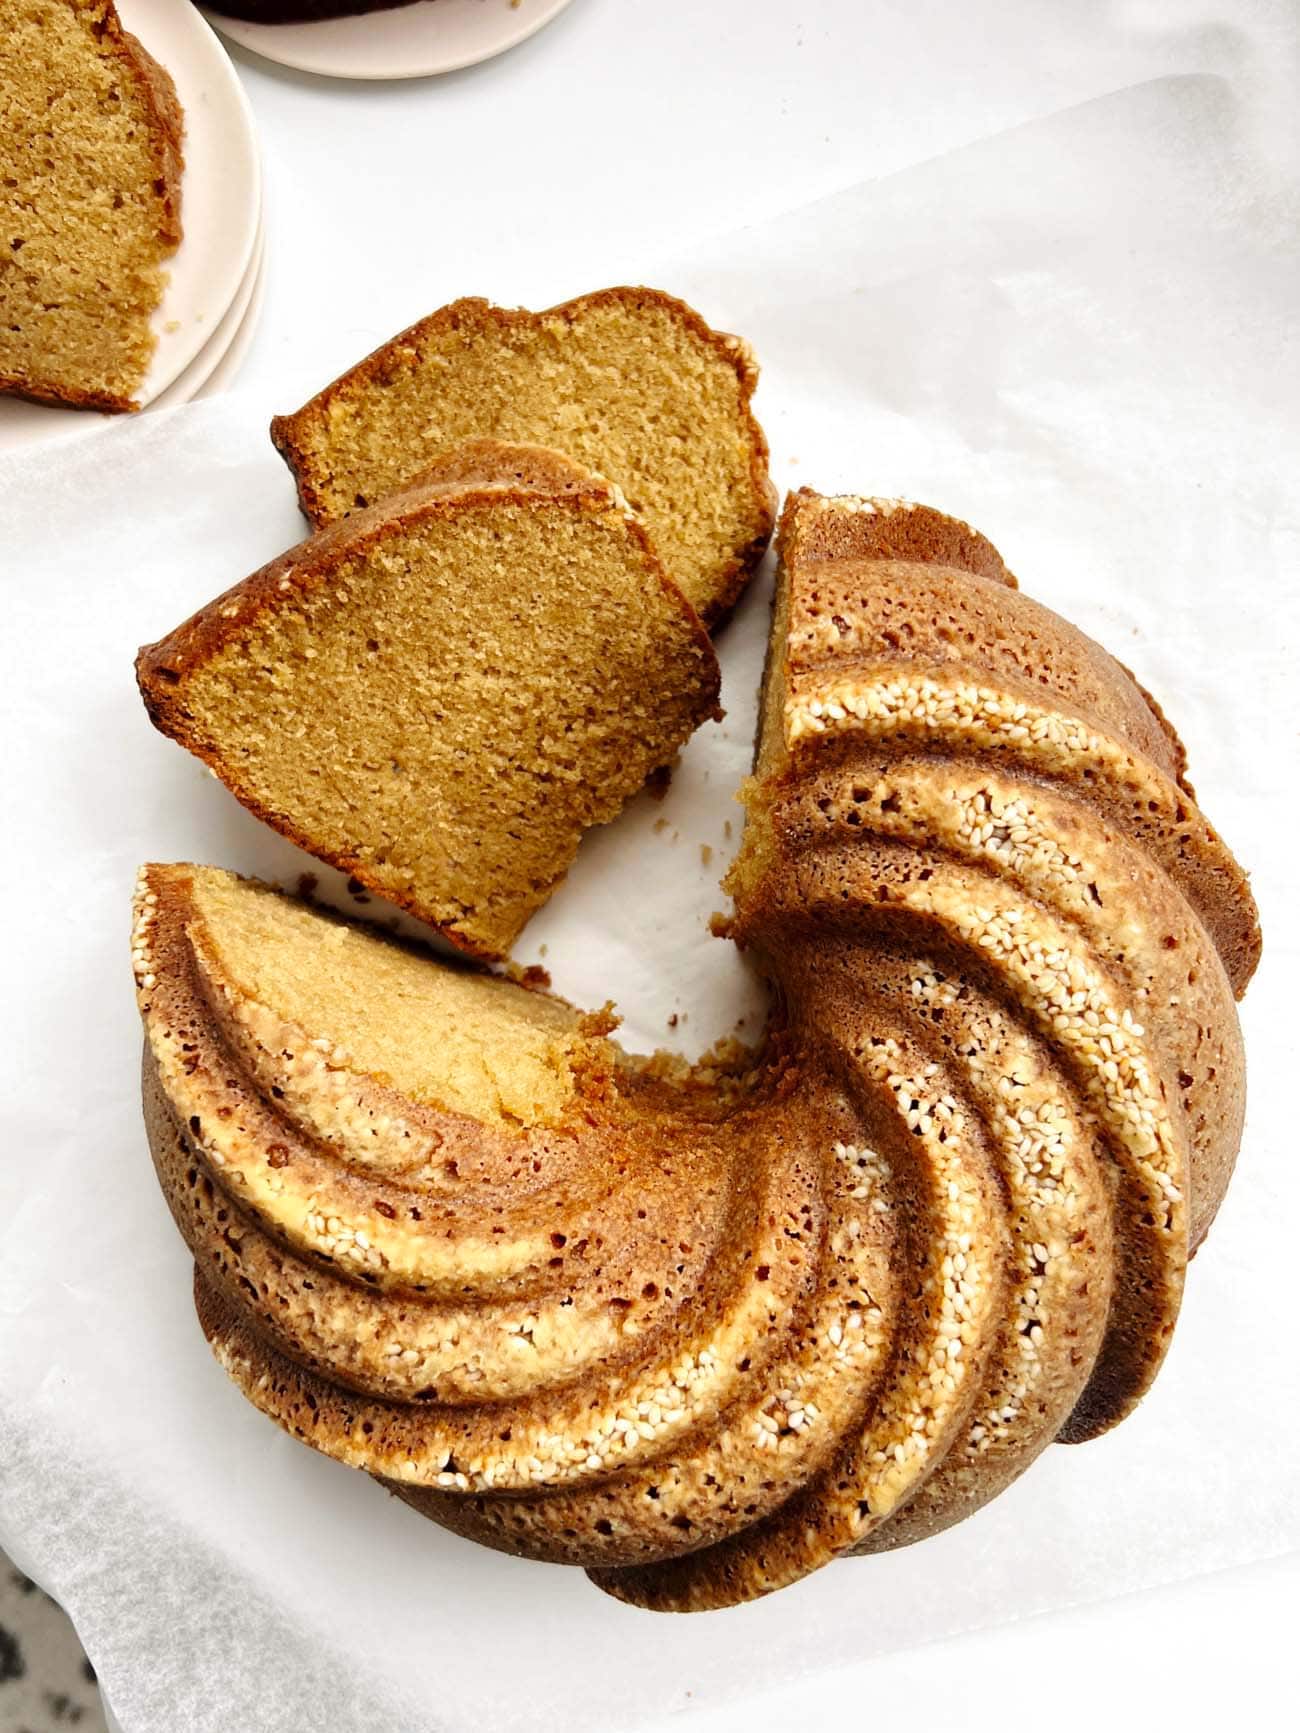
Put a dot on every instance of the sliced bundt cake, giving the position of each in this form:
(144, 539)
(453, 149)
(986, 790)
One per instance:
(630, 382)
(90, 139)
(441, 693)
(704, 1332)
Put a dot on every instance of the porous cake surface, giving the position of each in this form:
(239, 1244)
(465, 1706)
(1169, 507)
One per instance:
(90, 143)
(472, 1043)
(704, 1332)
(630, 382)
(440, 694)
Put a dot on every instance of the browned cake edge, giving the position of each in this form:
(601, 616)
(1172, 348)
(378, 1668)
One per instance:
(896, 530)
(168, 131)
(286, 429)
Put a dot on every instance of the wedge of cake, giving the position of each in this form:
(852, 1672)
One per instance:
(629, 382)
(440, 693)
(90, 141)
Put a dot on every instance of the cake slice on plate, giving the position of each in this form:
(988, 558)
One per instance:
(90, 203)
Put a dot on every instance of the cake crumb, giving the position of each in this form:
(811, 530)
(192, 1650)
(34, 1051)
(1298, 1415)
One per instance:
(706, 854)
(531, 975)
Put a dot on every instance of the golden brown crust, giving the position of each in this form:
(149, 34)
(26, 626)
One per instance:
(816, 527)
(287, 430)
(166, 137)
(168, 132)
(60, 396)
(904, 554)
(1178, 752)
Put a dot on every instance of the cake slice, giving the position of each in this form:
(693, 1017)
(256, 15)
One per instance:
(630, 382)
(440, 693)
(89, 201)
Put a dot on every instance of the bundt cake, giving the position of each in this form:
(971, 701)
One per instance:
(439, 694)
(630, 382)
(703, 1330)
(90, 202)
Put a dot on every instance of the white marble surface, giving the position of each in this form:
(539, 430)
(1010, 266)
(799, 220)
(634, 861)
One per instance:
(46, 1683)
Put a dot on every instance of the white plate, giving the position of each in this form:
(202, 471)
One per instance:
(216, 363)
(407, 42)
(221, 204)
(223, 374)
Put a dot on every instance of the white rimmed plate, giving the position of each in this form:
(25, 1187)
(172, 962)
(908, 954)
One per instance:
(221, 204)
(223, 374)
(407, 42)
(219, 359)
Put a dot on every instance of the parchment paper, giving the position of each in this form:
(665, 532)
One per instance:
(1078, 336)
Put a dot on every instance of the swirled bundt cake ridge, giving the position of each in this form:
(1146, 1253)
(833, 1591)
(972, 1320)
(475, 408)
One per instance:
(704, 1333)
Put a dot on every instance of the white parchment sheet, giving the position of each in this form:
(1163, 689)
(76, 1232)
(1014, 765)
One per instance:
(1078, 335)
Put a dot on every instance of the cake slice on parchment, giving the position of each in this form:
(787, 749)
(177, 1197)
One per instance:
(439, 694)
(631, 383)
(90, 197)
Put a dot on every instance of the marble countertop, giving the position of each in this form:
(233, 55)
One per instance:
(46, 1683)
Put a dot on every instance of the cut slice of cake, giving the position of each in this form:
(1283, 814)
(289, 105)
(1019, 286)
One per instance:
(629, 382)
(439, 694)
(89, 201)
